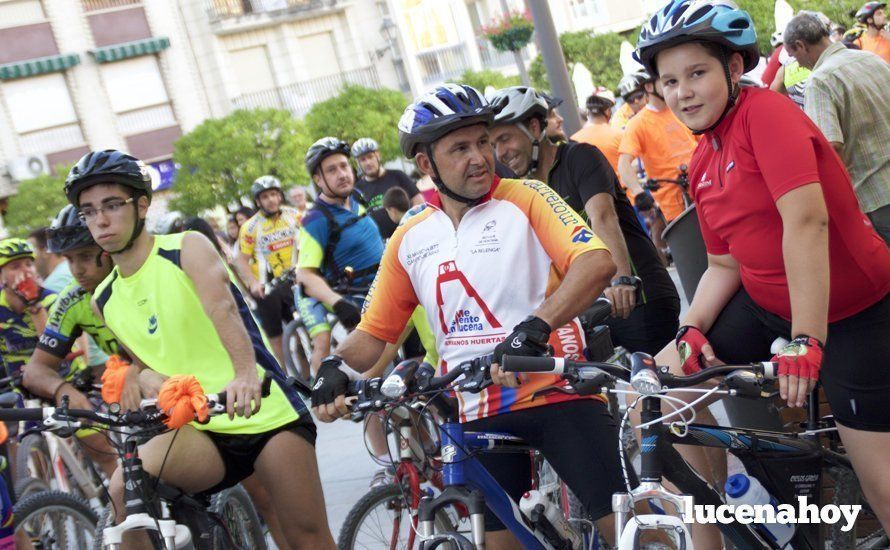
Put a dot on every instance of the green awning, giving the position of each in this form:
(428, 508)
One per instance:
(126, 50)
(38, 66)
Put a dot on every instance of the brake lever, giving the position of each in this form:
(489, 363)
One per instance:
(554, 389)
(477, 375)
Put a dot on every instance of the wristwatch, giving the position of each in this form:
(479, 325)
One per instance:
(635, 282)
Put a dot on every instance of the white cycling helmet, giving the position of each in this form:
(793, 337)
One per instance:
(363, 146)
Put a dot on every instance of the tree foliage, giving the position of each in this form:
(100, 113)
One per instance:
(360, 112)
(598, 52)
(36, 204)
(486, 77)
(762, 12)
(221, 158)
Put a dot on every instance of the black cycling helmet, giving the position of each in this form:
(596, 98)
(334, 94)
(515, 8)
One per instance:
(867, 11)
(108, 166)
(322, 149)
(67, 232)
(111, 166)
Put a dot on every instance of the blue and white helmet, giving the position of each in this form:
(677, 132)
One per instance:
(717, 21)
(363, 146)
(441, 111)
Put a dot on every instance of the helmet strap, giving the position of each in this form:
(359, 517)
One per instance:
(329, 192)
(137, 230)
(730, 102)
(440, 185)
(536, 147)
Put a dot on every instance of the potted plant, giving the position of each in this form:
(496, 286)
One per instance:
(510, 34)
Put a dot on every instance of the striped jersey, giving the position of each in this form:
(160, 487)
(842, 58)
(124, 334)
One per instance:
(477, 281)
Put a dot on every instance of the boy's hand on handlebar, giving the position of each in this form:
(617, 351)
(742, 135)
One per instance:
(131, 394)
(799, 364)
(695, 351)
(329, 391)
(243, 395)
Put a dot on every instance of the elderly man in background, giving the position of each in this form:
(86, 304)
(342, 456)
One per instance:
(846, 98)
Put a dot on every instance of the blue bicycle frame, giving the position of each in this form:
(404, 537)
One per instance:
(467, 482)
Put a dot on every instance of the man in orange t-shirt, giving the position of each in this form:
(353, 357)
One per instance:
(656, 136)
(875, 39)
(599, 132)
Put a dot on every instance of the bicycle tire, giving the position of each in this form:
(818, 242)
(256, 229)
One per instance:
(294, 354)
(384, 495)
(846, 491)
(243, 528)
(29, 509)
(27, 486)
(31, 446)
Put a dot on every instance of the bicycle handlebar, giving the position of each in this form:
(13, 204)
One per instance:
(148, 415)
(644, 376)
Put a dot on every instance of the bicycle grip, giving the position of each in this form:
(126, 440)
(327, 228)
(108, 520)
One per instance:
(22, 415)
(519, 363)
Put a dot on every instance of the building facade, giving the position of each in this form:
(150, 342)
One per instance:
(77, 75)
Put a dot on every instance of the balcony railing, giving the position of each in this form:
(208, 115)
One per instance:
(146, 119)
(51, 140)
(218, 10)
(440, 64)
(492, 57)
(300, 97)
(95, 5)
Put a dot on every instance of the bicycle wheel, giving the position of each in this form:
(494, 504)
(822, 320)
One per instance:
(32, 460)
(241, 525)
(55, 520)
(380, 519)
(297, 351)
(27, 486)
(867, 533)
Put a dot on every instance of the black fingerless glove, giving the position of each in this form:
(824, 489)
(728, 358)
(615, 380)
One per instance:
(348, 313)
(529, 339)
(330, 381)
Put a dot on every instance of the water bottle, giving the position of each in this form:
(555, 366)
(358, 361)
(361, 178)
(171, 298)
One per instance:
(742, 489)
(532, 499)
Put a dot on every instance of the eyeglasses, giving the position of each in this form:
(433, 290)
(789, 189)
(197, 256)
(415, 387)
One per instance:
(88, 213)
(634, 97)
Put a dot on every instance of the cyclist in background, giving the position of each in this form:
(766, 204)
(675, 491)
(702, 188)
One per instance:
(789, 253)
(340, 247)
(172, 304)
(297, 196)
(555, 131)
(23, 305)
(518, 236)
(645, 304)
(630, 89)
(269, 240)
(875, 38)
(598, 132)
(69, 317)
(377, 180)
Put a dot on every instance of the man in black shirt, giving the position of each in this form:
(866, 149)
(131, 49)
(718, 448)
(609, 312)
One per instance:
(377, 180)
(582, 176)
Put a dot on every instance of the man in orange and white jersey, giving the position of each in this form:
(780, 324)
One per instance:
(499, 265)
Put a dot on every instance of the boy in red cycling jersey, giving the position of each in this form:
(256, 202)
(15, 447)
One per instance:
(789, 253)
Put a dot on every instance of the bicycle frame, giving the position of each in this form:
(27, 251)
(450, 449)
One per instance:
(468, 483)
(661, 459)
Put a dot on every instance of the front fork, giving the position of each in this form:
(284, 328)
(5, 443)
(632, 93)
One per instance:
(628, 533)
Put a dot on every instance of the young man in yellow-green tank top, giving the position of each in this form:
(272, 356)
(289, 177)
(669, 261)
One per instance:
(172, 306)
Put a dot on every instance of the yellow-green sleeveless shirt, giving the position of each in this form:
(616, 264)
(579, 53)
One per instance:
(157, 314)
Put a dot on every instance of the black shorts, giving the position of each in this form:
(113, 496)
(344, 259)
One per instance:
(275, 310)
(240, 451)
(855, 370)
(650, 326)
(580, 440)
